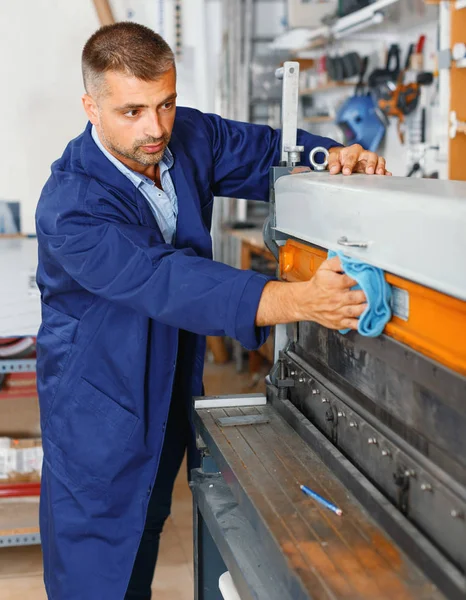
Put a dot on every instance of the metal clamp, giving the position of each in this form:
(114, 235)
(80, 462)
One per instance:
(343, 241)
(319, 166)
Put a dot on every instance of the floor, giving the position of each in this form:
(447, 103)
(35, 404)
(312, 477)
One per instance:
(21, 567)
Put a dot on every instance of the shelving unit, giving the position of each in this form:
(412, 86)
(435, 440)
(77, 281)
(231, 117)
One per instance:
(19, 522)
(19, 317)
(329, 87)
(357, 21)
(318, 119)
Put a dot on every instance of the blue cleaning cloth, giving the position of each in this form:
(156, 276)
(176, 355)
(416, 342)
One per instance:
(372, 282)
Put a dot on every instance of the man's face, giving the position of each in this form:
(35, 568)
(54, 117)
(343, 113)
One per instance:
(134, 118)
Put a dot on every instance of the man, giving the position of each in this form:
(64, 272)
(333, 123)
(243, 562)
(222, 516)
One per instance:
(129, 291)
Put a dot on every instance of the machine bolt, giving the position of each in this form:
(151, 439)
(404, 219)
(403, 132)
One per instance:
(457, 514)
(353, 424)
(386, 452)
(426, 487)
(410, 473)
(372, 441)
(315, 392)
(301, 380)
(341, 414)
(292, 373)
(324, 401)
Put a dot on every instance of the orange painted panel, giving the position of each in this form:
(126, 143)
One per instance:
(436, 325)
(457, 96)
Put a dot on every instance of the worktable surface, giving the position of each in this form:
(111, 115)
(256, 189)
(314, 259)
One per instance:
(332, 557)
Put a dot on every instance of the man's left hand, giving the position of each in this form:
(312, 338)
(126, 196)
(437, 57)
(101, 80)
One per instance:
(354, 159)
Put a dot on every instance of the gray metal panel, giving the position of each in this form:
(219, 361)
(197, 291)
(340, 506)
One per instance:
(415, 228)
(246, 559)
(19, 539)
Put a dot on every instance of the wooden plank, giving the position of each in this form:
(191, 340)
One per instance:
(19, 516)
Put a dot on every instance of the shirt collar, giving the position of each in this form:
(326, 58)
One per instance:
(136, 178)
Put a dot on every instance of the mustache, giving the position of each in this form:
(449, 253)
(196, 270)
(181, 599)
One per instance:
(152, 141)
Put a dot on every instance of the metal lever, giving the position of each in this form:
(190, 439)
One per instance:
(343, 241)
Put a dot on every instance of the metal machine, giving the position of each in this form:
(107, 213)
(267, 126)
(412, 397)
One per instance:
(375, 425)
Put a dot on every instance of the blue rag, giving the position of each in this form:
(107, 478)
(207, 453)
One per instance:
(372, 282)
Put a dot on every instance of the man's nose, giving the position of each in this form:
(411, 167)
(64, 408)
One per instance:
(153, 126)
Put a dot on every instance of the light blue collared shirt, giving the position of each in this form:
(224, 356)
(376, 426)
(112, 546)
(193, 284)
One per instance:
(163, 202)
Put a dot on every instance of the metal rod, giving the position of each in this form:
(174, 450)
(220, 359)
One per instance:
(289, 108)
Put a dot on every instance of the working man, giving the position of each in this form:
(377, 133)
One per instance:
(129, 290)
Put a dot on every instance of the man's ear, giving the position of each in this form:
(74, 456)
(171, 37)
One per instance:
(91, 109)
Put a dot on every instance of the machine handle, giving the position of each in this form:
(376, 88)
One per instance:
(343, 241)
(315, 165)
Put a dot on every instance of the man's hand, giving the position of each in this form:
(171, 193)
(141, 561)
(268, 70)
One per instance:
(329, 300)
(326, 299)
(354, 159)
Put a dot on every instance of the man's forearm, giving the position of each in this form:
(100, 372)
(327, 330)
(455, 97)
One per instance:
(327, 299)
(278, 304)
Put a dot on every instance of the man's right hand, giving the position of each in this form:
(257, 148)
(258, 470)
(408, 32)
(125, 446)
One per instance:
(326, 299)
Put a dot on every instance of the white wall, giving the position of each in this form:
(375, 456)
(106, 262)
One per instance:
(40, 107)
(40, 110)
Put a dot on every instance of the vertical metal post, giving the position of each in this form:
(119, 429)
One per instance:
(289, 73)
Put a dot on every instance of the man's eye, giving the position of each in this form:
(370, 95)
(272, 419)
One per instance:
(132, 113)
(168, 105)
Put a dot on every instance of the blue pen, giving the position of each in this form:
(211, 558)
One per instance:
(322, 501)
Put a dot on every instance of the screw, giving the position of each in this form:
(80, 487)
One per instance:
(372, 441)
(410, 473)
(457, 514)
(386, 452)
(315, 392)
(426, 487)
(293, 373)
(301, 380)
(324, 401)
(353, 424)
(341, 414)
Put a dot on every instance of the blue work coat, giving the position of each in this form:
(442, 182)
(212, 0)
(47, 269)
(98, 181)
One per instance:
(115, 297)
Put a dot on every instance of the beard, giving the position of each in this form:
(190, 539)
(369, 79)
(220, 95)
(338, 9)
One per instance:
(136, 152)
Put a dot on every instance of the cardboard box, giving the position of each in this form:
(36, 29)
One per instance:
(20, 460)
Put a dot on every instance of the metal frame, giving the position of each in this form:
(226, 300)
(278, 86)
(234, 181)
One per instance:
(226, 539)
(19, 539)
(17, 366)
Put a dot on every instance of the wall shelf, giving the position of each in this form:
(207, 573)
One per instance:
(329, 87)
(300, 39)
(318, 119)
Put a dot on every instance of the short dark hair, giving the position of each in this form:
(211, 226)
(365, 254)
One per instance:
(128, 48)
